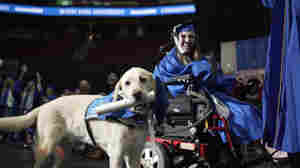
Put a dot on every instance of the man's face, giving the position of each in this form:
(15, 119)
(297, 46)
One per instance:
(84, 86)
(186, 42)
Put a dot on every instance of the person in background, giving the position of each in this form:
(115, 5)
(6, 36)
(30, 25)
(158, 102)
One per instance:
(31, 98)
(281, 98)
(84, 87)
(50, 94)
(111, 81)
(10, 100)
(1, 82)
(77, 91)
(185, 58)
(67, 92)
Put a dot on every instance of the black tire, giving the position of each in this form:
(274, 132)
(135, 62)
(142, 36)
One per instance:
(154, 156)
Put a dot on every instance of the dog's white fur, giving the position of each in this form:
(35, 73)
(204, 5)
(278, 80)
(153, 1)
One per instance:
(64, 118)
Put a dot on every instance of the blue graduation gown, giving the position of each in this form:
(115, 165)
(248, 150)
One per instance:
(282, 77)
(51, 97)
(245, 120)
(17, 95)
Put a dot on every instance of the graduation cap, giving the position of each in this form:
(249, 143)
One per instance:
(186, 28)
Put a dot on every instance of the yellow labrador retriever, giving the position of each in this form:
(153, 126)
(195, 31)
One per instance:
(64, 118)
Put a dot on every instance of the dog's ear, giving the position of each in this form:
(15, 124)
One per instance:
(117, 91)
(152, 78)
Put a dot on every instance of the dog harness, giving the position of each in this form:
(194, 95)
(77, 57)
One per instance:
(125, 116)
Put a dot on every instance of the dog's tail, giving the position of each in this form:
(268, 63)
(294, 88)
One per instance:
(14, 124)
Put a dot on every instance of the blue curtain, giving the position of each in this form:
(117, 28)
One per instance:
(251, 53)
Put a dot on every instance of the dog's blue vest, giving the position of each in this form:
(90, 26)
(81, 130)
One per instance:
(91, 113)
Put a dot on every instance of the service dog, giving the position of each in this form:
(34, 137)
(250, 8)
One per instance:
(63, 118)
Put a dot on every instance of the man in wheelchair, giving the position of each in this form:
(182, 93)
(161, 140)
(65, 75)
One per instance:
(184, 58)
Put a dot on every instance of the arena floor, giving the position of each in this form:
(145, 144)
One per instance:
(13, 156)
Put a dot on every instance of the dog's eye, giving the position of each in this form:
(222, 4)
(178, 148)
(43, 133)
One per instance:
(127, 83)
(143, 79)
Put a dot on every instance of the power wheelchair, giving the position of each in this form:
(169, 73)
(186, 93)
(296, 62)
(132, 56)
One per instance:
(190, 136)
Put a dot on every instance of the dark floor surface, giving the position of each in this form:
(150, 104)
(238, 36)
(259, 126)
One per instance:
(14, 156)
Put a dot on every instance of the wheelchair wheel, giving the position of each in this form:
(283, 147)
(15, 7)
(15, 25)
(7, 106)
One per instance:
(154, 156)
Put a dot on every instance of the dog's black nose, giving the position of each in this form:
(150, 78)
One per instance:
(138, 95)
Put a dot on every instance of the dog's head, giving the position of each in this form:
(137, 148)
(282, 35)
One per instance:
(135, 83)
